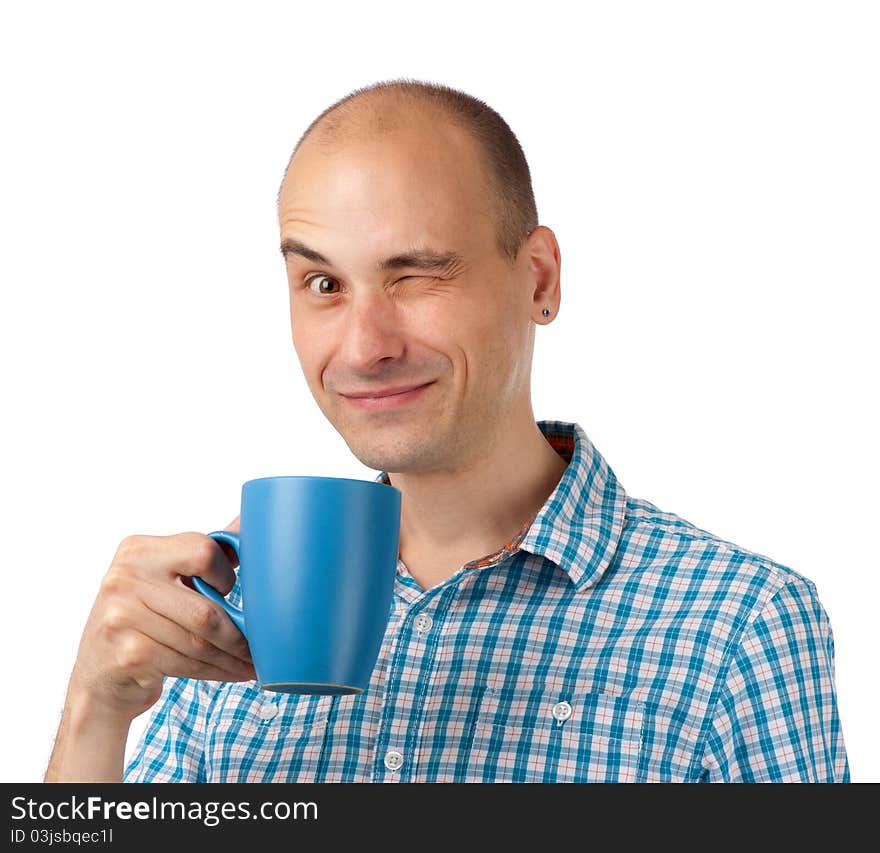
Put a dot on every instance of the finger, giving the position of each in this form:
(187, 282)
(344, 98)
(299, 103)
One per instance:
(168, 661)
(182, 554)
(195, 615)
(191, 645)
(234, 526)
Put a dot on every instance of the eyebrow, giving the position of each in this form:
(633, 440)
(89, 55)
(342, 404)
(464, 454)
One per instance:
(423, 258)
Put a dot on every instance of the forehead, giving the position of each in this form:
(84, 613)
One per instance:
(416, 186)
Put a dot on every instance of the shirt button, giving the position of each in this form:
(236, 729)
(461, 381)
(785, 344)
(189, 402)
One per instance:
(562, 711)
(423, 623)
(268, 710)
(393, 759)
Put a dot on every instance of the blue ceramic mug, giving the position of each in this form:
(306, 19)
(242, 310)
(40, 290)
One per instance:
(317, 561)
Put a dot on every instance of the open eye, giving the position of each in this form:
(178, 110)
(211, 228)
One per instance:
(318, 278)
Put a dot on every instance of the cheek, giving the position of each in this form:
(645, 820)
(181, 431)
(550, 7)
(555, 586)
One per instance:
(311, 349)
(498, 355)
(490, 351)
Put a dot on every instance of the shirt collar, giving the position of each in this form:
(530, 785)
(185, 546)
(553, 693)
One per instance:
(579, 525)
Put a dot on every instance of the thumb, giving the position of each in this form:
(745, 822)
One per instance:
(225, 547)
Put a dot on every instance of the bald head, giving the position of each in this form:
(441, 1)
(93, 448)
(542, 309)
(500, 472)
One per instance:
(373, 115)
(397, 109)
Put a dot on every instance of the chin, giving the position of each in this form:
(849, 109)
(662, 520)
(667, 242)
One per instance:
(394, 444)
(377, 458)
(388, 453)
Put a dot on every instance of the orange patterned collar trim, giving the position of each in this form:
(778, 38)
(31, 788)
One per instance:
(564, 446)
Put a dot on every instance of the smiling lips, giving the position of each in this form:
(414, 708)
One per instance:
(386, 398)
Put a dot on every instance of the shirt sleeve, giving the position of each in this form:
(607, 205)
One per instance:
(776, 719)
(172, 746)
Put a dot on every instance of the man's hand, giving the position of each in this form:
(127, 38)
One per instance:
(148, 622)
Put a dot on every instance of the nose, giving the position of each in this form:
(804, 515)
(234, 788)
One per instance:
(371, 331)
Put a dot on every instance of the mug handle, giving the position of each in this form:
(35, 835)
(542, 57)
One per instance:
(236, 615)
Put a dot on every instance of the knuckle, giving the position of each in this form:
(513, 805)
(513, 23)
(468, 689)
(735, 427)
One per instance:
(113, 584)
(130, 547)
(115, 616)
(204, 618)
(132, 652)
(202, 549)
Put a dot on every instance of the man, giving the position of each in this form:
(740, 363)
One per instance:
(546, 626)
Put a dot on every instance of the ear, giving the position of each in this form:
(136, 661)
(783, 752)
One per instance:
(544, 264)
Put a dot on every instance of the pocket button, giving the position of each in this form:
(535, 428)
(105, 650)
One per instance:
(393, 759)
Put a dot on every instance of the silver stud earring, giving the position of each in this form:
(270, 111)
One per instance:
(546, 312)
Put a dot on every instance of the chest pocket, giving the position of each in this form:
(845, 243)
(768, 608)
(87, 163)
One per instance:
(255, 735)
(556, 736)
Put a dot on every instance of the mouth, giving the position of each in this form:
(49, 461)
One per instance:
(385, 400)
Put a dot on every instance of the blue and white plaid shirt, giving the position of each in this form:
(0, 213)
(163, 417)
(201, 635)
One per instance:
(607, 641)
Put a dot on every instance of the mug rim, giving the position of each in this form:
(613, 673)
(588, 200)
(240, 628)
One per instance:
(316, 477)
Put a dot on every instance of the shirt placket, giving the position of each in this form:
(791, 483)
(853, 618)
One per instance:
(420, 616)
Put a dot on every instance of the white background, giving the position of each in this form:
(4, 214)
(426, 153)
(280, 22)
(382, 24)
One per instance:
(710, 171)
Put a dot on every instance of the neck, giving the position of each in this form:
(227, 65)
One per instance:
(450, 517)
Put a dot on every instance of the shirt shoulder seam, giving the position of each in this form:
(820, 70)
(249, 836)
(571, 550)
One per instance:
(779, 571)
